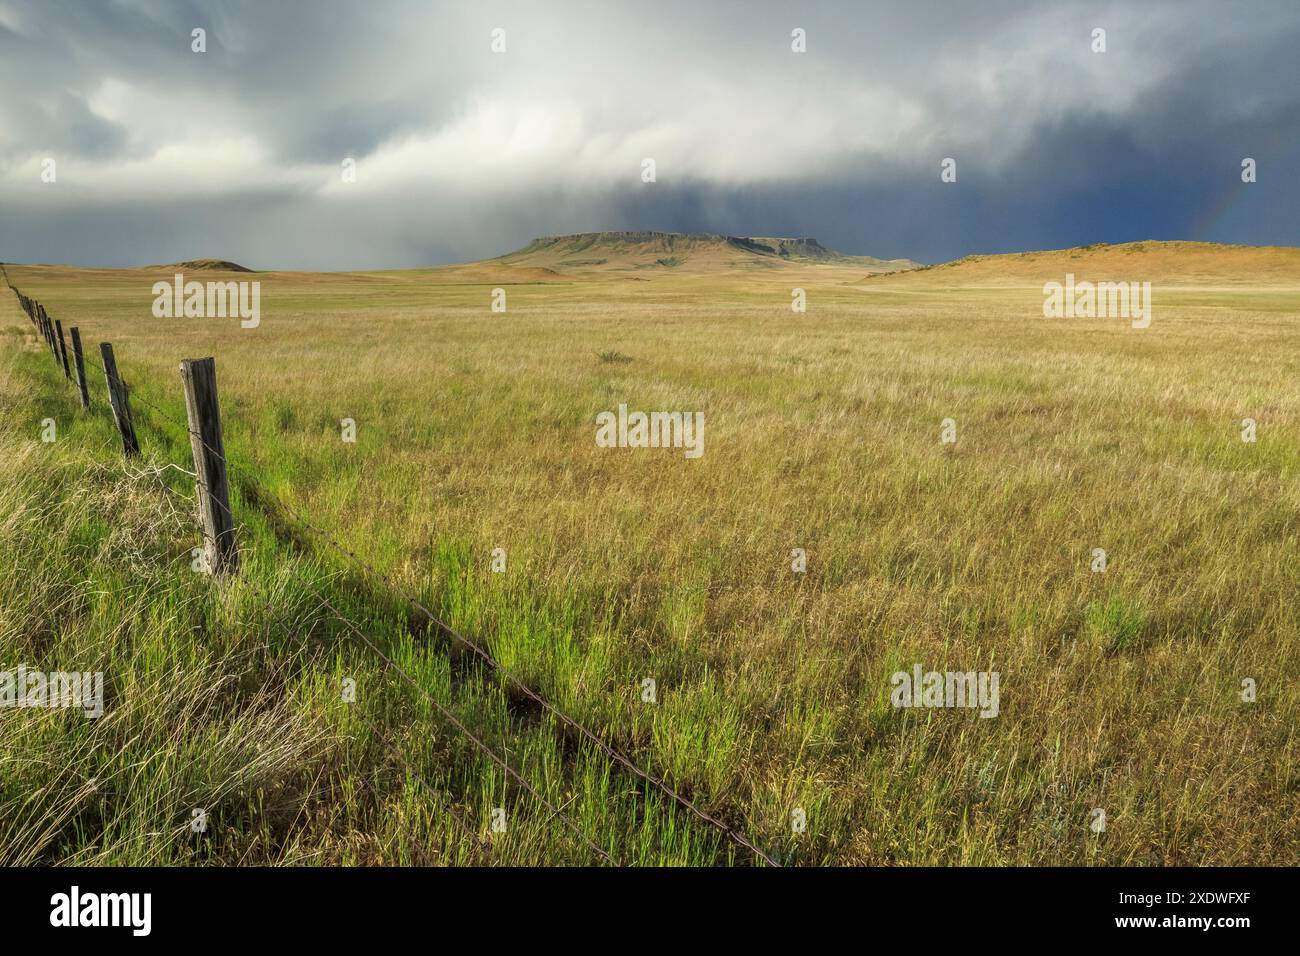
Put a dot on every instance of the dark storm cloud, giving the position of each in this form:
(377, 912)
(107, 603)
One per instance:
(166, 154)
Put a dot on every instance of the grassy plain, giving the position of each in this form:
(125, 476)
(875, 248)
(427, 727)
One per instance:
(475, 431)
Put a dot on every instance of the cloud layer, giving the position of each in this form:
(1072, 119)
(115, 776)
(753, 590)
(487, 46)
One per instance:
(162, 153)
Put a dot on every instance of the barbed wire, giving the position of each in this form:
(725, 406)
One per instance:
(484, 655)
(609, 750)
(337, 615)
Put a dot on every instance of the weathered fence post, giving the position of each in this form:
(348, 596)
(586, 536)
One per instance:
(80, 365)
(48, 330)
(200, 380)
(117, 398)
(63, 348)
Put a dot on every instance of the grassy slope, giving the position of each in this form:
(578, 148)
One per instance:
(1197, 264)
(1119, 690)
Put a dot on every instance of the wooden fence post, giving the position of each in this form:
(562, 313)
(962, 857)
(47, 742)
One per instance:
(45, 329)
(117, 398)
(63, 348)
(80, 365)
(199, 377)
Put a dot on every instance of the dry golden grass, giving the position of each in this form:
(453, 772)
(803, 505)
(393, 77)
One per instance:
(1169, 264)
(1120, 690)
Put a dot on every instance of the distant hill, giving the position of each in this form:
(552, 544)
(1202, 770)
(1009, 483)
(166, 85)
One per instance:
(204, 265)
(689, 252)
(1169, 262)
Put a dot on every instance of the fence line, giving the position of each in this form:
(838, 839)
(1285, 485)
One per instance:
(392, 746)
(609, 750)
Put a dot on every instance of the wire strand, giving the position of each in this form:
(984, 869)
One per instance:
(609, 750)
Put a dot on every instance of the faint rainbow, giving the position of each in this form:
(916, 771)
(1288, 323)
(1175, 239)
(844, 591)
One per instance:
(1236, 191)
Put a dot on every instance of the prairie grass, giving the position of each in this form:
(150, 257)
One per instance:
(1120, 691)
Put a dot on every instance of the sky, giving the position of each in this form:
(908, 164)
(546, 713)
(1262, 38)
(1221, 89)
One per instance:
(161, 153)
